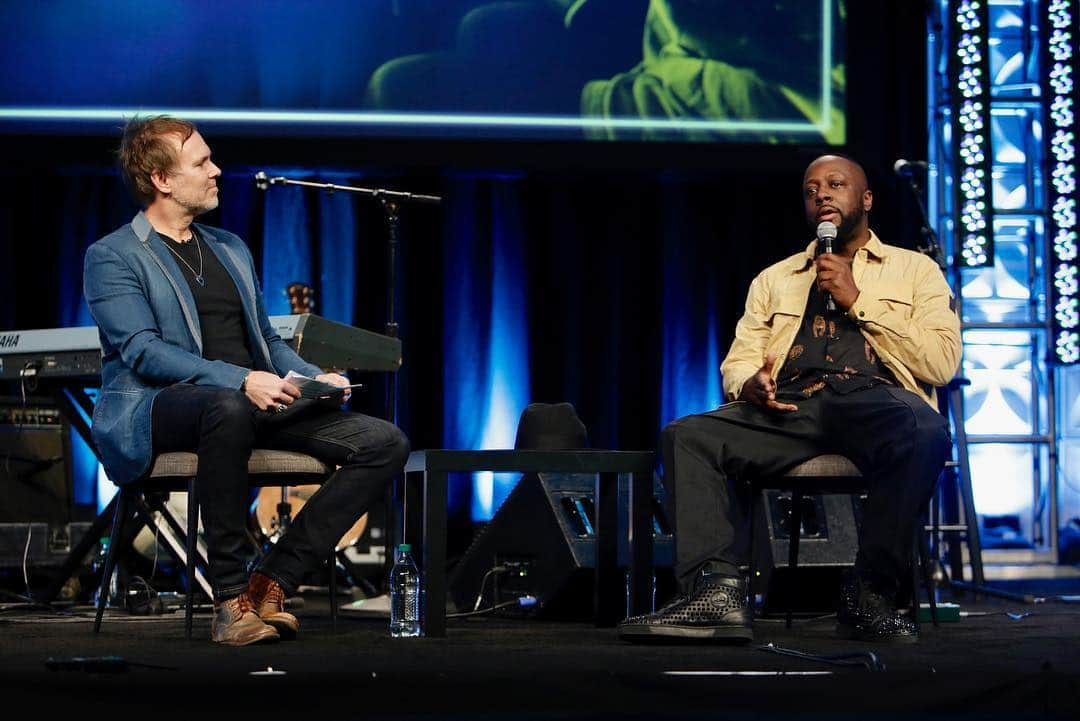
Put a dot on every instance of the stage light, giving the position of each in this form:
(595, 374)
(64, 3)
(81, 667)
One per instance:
(1065, 280)
(1067, 347)
(1063, 146)
(1065, 245)
(1063, 178)
(970, 101)
(1064, 212)
(1066, 312)
(1059, 60)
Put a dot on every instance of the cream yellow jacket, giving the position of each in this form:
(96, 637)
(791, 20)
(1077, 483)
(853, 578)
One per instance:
(904, 310)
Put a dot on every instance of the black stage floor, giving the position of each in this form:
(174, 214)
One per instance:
(989, 664)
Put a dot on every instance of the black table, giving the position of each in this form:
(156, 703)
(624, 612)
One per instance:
(425, 503)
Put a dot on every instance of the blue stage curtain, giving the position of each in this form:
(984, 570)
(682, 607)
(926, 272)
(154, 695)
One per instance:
(690, 360)
(485, 329)
(94, 203)
(336, 251)
(309, 237)
(287, 241)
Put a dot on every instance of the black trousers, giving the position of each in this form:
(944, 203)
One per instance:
(223, 427)
(897, 441)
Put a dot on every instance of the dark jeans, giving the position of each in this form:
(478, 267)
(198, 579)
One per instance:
(897, 441)
(223, 427)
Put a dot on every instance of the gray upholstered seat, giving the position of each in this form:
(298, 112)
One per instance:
(828, 465)
(182, 464)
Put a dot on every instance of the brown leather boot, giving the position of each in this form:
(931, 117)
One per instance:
(236, 624)
(269, 600)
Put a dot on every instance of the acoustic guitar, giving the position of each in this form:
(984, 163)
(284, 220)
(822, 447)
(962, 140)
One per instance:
(275, 506)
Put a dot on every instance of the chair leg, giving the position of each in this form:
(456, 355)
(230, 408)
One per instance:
(924, 566)
(122, 509)
(192, 543)
(916, 558)
(755, 500)
(332, 565)
(794, 532)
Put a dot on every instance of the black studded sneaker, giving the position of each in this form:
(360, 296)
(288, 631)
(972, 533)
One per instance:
(717, 610)
(868, 615)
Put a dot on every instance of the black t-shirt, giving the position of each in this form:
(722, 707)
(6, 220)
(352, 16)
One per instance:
(829, 350)
(221, 312)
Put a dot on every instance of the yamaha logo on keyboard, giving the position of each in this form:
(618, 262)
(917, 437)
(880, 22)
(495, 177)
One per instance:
(9, 340)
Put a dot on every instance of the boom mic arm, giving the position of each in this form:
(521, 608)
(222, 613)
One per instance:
(263, 182)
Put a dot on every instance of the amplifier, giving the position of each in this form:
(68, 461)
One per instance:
(49, 544)
(35, 464)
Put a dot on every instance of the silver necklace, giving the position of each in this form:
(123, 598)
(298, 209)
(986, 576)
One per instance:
(198, 276)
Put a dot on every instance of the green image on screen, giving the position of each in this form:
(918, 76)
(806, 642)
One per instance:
(713, 70)
(706, 71)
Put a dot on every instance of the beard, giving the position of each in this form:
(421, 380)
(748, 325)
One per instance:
(848, 223)
(846, 227)
(196, 204)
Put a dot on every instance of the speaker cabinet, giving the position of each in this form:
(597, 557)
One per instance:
(35, 485)
(544, 532)
(35, 468)
(827, 546)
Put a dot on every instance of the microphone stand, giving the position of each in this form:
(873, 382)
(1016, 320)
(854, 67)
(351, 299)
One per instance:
(950, 402)
(930, 245)
(390, 201)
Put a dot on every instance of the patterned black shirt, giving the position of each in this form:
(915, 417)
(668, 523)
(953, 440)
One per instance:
(829, 350)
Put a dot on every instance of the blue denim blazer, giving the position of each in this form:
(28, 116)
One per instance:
(150, 335)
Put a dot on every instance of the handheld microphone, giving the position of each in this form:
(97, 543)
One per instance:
(907, 167)
(826, 234)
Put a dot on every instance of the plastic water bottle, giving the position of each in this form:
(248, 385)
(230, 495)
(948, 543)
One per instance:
(405, 595)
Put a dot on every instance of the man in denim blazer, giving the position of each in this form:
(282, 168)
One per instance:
(191, 362)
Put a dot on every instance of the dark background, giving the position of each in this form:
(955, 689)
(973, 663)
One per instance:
(596, 219)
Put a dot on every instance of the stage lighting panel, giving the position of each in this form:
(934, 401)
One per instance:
(994, 470)
(1069, 397)
(1007, 62)
(1017, 143)
(1014, 66)
(1008, 16)
(1002, 293)
(1069, 501)
(970, 103)
(1060, 37)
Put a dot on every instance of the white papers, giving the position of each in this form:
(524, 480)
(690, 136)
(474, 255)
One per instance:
(311, 388)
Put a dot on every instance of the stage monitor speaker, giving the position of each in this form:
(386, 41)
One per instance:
(39, 545)
(35, 484)
(827, 547)
(35, 468)
(544, 531)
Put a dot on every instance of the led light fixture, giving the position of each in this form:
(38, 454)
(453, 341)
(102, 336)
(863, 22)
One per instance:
(969, 71)
(1059, 41)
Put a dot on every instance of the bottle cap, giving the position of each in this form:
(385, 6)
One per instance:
(404, 547)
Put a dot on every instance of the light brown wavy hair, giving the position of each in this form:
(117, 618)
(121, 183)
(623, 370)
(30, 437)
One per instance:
(144, 150)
